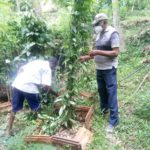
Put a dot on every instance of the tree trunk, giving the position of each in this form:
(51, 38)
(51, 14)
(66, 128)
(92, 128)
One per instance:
(116, 22)
(18, 5)
(116, 16)
(37, 7)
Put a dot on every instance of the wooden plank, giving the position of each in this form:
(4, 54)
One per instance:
(84, 137)
(39, 139)
(5, 106)
(88, 118)
(86, 95)
(52, 140)
(64, 141)
(82, 108)
(77, 108)
(147, 48)
(146, 61)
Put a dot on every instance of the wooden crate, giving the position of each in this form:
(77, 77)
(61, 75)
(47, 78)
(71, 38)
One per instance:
(6, 106)
(81, 138)
(78, 142)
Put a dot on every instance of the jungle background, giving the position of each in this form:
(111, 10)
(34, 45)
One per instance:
(62, 28)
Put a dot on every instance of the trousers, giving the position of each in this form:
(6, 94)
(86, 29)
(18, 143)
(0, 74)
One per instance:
(107, 89)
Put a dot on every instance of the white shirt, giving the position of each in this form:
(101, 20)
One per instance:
(37, 72)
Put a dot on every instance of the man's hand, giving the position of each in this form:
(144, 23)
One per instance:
(94, 53)
(84, 58)
(50, 90)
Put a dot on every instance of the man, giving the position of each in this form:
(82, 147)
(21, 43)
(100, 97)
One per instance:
(105, 57)
(25, 86)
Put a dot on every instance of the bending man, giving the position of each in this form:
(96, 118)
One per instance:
(25, 86)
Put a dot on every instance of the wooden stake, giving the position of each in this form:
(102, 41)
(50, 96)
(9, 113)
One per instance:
(144, 79)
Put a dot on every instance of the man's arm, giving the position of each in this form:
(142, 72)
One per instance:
(50, 90)
(113, 53)
(115, 44)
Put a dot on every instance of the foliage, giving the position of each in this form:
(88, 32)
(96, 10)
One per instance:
(34, 35)
(50, 125)
(63, 3)
(144, 36)
(134, 109)
(137, 4)
(17, 142)
(127, 7)
(26, 37)
(79, 35)
(4, 11)
(7, 41)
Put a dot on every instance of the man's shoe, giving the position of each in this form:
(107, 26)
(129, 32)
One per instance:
(110, 128)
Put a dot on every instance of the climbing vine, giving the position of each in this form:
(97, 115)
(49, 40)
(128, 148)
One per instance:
(78, 44)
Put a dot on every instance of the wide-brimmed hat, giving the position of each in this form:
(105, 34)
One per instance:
(99, 17)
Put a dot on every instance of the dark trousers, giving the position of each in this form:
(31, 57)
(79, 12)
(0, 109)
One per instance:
(18, 98)
(107, 88)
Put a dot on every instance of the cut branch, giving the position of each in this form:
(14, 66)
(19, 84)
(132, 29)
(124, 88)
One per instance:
(144, 79)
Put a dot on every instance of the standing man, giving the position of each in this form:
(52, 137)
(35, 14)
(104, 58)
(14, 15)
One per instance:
(105, 57)
(25, 86)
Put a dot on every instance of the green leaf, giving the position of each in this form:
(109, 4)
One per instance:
(72, 102)
(72, 120)
(44, 127)
(62, 110)
(58, 100)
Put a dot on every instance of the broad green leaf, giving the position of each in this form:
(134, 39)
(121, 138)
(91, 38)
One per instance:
(62, 110)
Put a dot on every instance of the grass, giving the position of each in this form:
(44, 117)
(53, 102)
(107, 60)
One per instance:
(135, 119)
(133, 131)
(100, 142)
(23, 128)
(134, 128)
(17, 143)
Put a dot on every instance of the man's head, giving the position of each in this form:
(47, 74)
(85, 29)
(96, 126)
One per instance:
(100, 22)
(53, 62)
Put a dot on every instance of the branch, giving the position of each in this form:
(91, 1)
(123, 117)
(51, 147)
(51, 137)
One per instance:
(144, 79)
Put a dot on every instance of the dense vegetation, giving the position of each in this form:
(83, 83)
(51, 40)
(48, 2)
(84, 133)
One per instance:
(27, 34)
